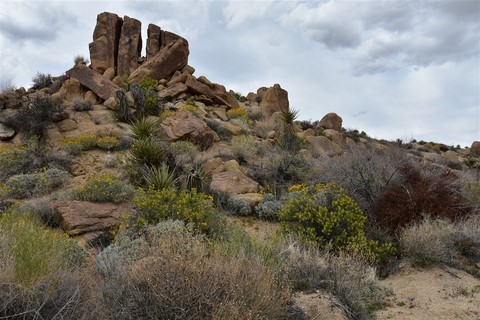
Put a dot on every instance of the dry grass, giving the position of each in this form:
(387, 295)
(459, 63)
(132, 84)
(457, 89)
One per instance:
(441, 241)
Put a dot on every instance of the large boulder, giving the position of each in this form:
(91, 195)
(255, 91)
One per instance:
(91, 220)
(173, 91)
(157, 39)
(130, 46)
(229, 179)
(475, 149)
(274, 99)
(198, 87)
(185, 126)
(323, 145)
(331, 121)
(100, 85)
(169, 59)
(6, 133)
(106, 36)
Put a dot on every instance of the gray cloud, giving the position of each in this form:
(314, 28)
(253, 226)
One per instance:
(35, 22)
(382, 36)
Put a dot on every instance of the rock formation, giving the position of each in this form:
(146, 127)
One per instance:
(273, 99)
(106, 36)
(129, 46)
(117, 45)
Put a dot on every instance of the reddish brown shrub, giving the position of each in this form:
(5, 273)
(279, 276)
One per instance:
(419, 192)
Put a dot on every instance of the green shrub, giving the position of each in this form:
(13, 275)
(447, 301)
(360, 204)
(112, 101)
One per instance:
(326, 215)
(148, 152)
(149, 84)
(26, 185)
(238, 206)
(106, 189)
(32, 252)
(183, 152)
(268, 208)
(194, 208)
(29, 158)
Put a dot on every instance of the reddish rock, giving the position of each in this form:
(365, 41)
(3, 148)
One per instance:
(232, 180)
(185, 126)
(274, 99)
(103, 49)
(199, 88)
(81, 217)
(169, 59)
(173, 91)
(331, 121)
(101, 86)
(153, 40)
(130, 46)
(475, 149)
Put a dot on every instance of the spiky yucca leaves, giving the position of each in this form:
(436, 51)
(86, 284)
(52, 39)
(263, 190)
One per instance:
(143, 128)
(195, 179)
(148, 152)
(288, 118)
(289, 140)
(122, 112)
(158, 178)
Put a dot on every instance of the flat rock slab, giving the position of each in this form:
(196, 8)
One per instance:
(100, 85)
(82, 217)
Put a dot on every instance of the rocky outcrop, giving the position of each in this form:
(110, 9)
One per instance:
(129, 46)
(117, 45)
(185, 126)
(106, 36)
(169, 59)
(323, 146)
(157, 39)
(274, 99)
(331, 121)
(99, 84)
(475, 149)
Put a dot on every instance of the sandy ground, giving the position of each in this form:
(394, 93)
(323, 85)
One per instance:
(439, 293)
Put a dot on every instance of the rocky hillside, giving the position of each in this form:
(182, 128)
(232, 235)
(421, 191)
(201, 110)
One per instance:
(108, 139)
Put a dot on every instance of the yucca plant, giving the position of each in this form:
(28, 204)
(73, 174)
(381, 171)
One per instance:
(159, 178)
(288, 117)
(195, 179)
(147, 151)
(143, 128)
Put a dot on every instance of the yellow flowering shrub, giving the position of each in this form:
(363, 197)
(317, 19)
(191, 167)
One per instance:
(237, 113)
(194, 208)
(326, 215)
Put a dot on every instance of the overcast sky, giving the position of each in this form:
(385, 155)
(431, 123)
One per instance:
(394, 69)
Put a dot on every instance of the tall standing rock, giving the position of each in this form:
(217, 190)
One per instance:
(129, 46)
(158, 39)
(104, 48)
(274, 99)
(169, 59)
